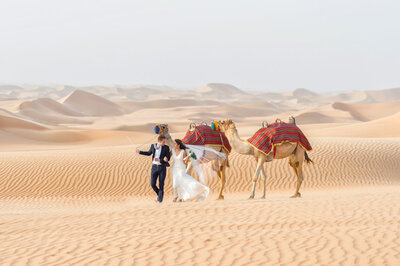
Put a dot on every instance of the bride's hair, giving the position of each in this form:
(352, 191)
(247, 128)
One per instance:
(180, 143)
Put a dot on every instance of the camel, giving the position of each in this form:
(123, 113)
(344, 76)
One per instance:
(217, 165)
(296, 154)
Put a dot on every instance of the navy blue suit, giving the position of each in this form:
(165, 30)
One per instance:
(158, 171)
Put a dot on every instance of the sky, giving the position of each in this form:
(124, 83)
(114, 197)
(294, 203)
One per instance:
(263, 45)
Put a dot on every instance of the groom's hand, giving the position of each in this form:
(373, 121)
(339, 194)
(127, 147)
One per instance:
(165, 159)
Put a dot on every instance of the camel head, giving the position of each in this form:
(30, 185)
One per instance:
(164, 129)
(226, 125)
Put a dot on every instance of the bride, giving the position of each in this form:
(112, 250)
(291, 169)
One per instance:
(185, 186)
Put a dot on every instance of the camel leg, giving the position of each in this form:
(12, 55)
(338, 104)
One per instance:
(299, 179)
(297, 167)
(189, 167)
(255, 178)
(221, 174)
(265, 180)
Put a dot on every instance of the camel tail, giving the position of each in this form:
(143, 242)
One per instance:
(308, 160)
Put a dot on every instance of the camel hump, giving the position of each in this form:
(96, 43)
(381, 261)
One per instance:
(205, 135)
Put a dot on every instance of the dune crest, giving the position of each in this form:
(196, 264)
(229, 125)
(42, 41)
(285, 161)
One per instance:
(9, 122)
(387, 127)
(90, 104)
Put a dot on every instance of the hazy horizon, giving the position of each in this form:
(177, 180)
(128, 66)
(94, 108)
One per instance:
(254, 45)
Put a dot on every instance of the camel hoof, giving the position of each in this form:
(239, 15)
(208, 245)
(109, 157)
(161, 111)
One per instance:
(298, 195)
(251, 197)
(221, 197)
(263, 197)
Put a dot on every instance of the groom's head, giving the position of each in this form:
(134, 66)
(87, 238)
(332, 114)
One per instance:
(161, 140)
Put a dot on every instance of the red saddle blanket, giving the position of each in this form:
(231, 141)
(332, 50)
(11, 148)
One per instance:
(204, 135)
(265, 139)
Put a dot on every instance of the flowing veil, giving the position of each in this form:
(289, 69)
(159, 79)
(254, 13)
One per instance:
(200, 157)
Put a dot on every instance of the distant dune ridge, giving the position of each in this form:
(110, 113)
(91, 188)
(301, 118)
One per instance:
(48, 111)
(67, 105)
(87, 111)
(47, 105)
(74, 191)
(367, 112)
(92, 105)
(219, 91)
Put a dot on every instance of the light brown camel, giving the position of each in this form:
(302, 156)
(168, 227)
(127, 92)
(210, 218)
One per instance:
(218, 165)
(295, 152)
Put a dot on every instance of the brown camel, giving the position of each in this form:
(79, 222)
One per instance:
(218, 165)
(295, 152)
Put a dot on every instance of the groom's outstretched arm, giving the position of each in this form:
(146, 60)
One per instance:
(147, 153)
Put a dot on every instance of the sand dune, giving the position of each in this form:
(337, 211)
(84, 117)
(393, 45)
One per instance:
(51, 137)
(7, 122)
(326, 228)
(366, 112)
(388, 127)
(237, 112)
(165, 103)
(73, 190)
(340, 112)
(17, 139)
(386, 95)
(91, 105)
(48, 111)
(94, 206)
(138, 93)
(219, 89)
(313, 118)
(46, 105)
(119, 171)
(212, 91)
(9, 91)
(301, 95)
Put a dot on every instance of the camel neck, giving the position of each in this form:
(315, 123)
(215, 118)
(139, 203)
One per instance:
(170, 141)
(237, 144)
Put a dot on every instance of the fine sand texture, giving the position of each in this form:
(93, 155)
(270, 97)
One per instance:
(74, 192)
(95, 206)
(357, 226)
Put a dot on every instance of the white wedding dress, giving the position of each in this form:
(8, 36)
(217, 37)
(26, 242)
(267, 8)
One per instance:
(185, 186)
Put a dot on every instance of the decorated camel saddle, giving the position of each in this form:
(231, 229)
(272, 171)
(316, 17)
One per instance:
(207, 136)
(271, 135)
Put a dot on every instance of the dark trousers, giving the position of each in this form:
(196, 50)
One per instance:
(160, 172)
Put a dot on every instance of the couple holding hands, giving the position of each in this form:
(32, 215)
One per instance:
(185, 187)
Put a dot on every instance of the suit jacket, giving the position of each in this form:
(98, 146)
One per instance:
(165, 152)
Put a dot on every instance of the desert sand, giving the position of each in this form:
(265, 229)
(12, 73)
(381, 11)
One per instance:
(73, 190)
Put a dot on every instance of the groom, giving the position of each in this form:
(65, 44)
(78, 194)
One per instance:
(160, 156)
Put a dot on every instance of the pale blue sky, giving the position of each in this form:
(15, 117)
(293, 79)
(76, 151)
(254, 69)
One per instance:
(260, 45)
